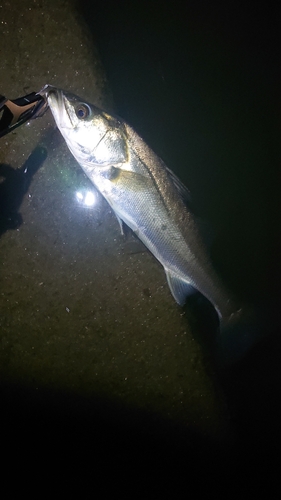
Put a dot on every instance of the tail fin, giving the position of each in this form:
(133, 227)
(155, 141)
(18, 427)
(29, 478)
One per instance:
(238, 335)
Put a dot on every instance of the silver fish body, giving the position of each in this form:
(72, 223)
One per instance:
(143, 193)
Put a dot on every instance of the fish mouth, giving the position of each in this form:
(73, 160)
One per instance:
(56, 101)
(48, 90)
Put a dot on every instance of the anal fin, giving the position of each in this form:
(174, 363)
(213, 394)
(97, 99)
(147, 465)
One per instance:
(179, 289)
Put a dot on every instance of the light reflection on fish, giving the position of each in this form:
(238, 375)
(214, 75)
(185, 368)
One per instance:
(142, 192)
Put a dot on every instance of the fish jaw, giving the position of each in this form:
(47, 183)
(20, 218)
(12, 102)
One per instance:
(54, 97)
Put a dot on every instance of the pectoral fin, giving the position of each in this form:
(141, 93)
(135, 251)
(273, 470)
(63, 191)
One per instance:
(128, 179)
(180, 289)
(121, 224)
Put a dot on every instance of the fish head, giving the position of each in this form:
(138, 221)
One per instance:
(94, 137)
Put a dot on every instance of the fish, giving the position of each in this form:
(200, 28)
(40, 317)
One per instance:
(143, 193)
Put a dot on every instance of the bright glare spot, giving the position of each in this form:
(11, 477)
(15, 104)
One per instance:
(87, 198)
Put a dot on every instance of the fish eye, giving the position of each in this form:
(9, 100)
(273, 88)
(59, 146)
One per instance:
(82, 111)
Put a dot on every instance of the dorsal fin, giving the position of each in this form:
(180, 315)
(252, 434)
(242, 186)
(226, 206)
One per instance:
(180, 187)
